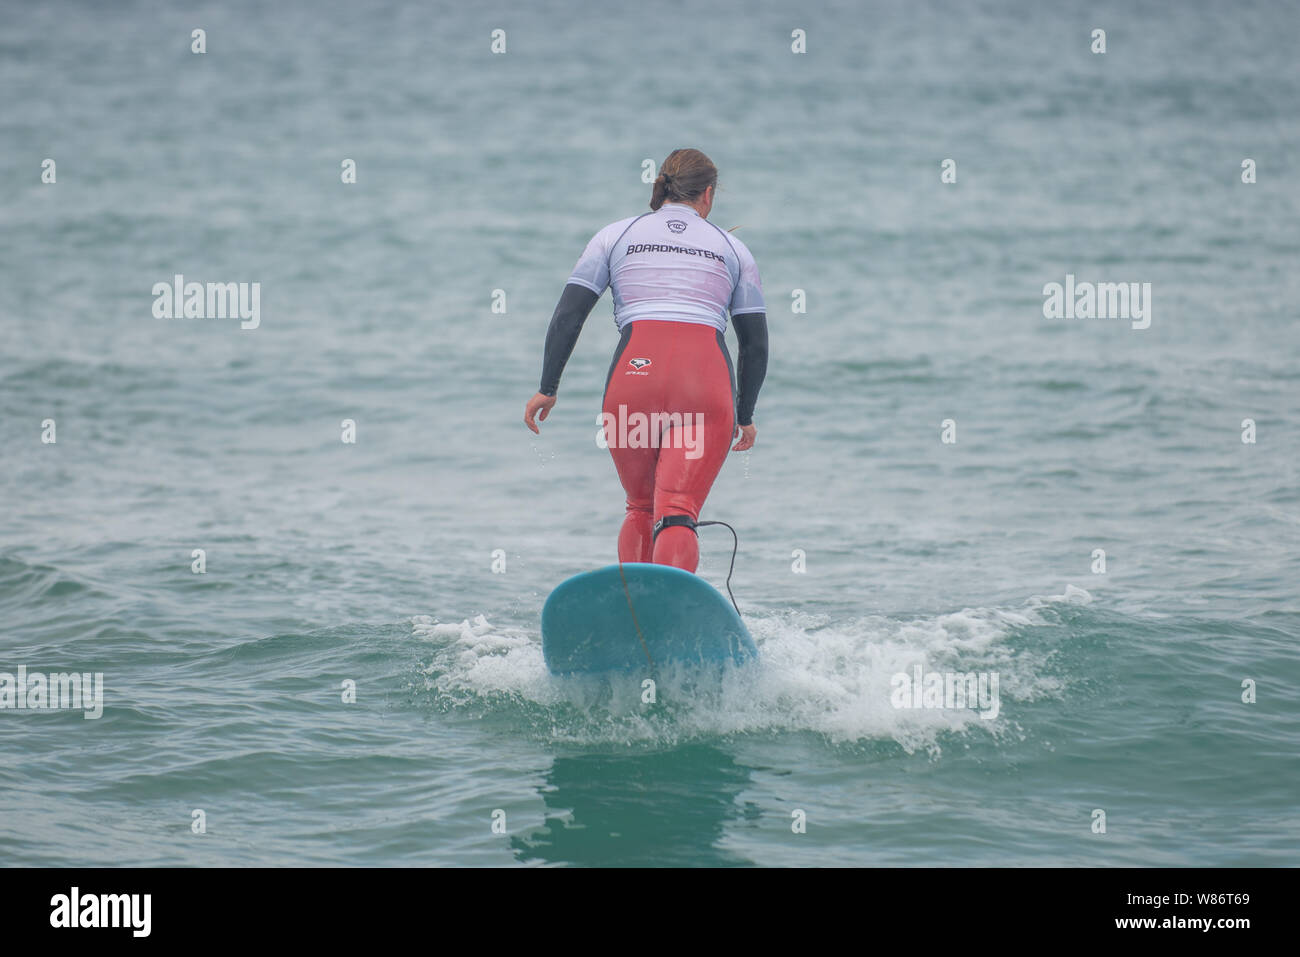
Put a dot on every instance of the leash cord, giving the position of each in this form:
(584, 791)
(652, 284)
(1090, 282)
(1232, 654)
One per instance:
(735, 547)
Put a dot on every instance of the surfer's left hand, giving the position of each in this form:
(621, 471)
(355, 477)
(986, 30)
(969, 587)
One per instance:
(538, 403)
(747, 435)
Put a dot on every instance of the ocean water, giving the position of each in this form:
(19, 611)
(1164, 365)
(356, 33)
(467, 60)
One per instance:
(868, 545)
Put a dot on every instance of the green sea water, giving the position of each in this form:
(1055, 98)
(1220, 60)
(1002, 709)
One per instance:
(411, 565)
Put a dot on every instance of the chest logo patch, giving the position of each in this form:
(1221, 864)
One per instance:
(638, 363)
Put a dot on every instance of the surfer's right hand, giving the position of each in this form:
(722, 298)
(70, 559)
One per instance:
(538, 403)
(746, 434)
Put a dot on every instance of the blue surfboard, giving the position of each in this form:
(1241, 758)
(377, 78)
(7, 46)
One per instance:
(636, 616)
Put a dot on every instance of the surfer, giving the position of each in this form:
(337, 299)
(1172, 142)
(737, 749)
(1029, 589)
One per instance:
(674, 278)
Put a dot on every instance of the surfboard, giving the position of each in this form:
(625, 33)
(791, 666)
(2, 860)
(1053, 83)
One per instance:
(639, 616)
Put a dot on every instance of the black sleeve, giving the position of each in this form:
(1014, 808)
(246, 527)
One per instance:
(751, 333)
(562, 334)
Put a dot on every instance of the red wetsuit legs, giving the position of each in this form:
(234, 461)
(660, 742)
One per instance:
(669, 417)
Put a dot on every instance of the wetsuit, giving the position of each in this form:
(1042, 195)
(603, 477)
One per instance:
(671, 400)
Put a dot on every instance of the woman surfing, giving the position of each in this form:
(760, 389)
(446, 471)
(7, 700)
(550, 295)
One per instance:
(674, 278)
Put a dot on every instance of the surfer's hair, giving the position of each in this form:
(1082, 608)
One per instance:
(683, 178)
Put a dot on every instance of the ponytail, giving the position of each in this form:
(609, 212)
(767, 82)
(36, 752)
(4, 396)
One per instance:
(683, 178)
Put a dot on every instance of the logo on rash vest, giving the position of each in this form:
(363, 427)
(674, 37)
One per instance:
(638, 365)
(677, 225)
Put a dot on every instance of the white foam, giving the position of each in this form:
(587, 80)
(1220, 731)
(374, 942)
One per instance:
(1073, 596)
(819, 676)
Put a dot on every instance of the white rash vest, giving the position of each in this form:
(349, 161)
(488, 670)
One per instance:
(671, 264)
